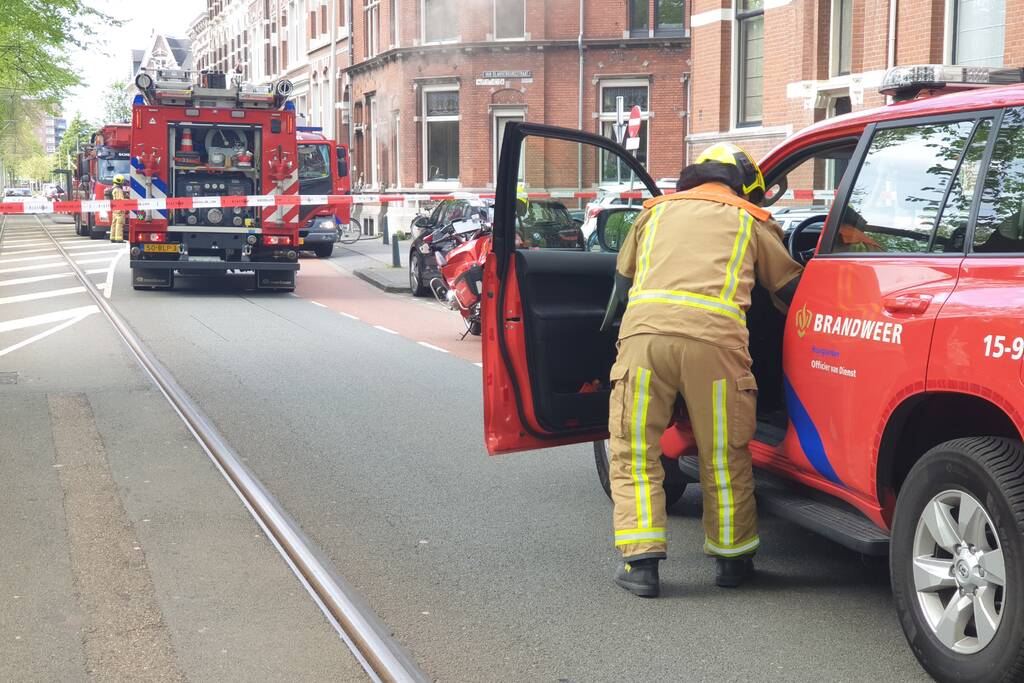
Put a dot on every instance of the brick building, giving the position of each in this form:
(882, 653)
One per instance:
(433, 83)
(766, 68)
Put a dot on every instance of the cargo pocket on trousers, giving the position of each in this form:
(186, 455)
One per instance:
(743, 412)
(617, 413)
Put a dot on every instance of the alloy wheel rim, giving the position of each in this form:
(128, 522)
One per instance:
(414, 275)
(958, 571)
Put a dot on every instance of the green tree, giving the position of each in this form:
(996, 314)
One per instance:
(37, 168)
(117, 103)
(78, 133)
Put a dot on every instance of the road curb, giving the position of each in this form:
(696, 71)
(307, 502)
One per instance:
(392, 280)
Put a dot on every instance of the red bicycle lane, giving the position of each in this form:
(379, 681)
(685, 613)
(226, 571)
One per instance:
(423, 321)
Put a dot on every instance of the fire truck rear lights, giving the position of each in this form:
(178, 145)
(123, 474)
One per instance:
(156, 237)
(277, 241)
(906, 82)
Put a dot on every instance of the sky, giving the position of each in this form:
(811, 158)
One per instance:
(111, 60)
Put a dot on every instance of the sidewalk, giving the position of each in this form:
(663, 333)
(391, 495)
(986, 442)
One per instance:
(127, 556)
(371, 259)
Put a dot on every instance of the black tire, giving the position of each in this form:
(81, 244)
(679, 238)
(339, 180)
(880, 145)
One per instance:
(991, 470)
(323, 250)
(675, 481)
(93, 233)
(474, 327)
(416, 285)
(79, 230)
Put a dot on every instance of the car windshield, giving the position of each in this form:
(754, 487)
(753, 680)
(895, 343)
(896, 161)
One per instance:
(314, 162)
(18, 192)
(108, 168)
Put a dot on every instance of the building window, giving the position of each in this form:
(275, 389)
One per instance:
(639, 18)
(668, 16)
(979, 31)
(842, 37)
(633, 93)
(509, 19)
(750, 62)
(371, 14)
(441, 136)
(440, 21)
(393, 11)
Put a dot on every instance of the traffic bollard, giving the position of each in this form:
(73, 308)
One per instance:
(384, 227)
(396, 257)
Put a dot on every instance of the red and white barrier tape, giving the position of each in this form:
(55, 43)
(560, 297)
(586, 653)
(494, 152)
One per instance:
(33, 206)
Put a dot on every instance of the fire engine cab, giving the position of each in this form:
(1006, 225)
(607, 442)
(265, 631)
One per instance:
(106, 156)
(323, 170)
(219, 163)
(890, 397)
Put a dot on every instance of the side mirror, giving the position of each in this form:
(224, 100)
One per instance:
(421, 222)
(613, 224)
(342, 163)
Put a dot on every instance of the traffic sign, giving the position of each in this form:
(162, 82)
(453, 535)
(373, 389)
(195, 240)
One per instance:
(633, 128)
(632, 144)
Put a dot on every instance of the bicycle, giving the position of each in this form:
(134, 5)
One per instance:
(351, 232)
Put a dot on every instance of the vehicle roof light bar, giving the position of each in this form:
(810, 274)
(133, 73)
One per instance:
(181, 88)
(907, 82)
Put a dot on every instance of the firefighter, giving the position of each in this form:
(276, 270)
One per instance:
(689, 265)
(117, 218)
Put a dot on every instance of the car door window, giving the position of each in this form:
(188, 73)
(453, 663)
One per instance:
(999, 228)
(895, 203)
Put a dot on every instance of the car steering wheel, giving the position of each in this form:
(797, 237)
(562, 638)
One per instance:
(802, 257)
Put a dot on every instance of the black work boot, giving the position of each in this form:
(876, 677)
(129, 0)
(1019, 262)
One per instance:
(731, 572)
(640, 577)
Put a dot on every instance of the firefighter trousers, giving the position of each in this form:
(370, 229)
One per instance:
(721, 398)
(117, 226)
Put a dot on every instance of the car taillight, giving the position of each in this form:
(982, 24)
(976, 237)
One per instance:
(277, 241)
(153, 237)
(593, 211)
(428, 239)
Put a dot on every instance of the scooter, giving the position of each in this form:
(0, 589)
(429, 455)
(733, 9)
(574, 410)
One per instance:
(462, 268)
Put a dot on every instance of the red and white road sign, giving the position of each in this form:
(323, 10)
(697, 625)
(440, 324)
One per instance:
(633, 128)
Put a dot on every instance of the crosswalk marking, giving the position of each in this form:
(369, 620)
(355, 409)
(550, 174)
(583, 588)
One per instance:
(42, 278)
(40, 295)
(43, 319)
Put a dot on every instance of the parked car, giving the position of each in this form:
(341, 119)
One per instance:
(17, 194)
(422, 266)
(612, 197)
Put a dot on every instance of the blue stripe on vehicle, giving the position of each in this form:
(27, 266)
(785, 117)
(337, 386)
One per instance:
(807, 434)
(138, 188)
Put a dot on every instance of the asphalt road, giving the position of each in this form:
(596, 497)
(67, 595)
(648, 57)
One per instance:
(361, 411)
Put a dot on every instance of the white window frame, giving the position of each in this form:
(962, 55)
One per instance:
(494, 23)
(512, 113)
(604, 117)
(371, 111)
(949, 30)
(396, 118)
(396, 26)
(425, 168)
(734, 98)
(371, 22)
(835, 41)
(423, 29)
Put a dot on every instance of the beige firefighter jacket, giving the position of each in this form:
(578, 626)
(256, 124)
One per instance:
(693, 257)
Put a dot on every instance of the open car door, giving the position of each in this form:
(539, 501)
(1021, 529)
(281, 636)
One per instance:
(546, 362)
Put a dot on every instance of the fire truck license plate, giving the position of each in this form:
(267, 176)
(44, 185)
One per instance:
(160, 247)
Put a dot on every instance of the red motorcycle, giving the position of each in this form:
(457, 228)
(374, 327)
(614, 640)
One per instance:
(460, 249)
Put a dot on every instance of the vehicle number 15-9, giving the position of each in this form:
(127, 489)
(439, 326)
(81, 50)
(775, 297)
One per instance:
(996, 346)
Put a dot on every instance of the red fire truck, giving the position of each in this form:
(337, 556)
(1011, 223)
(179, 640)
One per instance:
(323, 170)
(214, 168)
(106, 156)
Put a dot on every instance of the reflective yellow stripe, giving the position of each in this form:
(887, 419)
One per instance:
(629, 532)
(641, 400)
(723, 482)
(739, 252)
(707, 303)
(744, 548)
(644, 259)
(640, 536)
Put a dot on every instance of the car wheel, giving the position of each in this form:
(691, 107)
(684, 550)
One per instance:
(323, 250)
(474, 327)
(675, 481)
(416, 285)
(957, 560)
